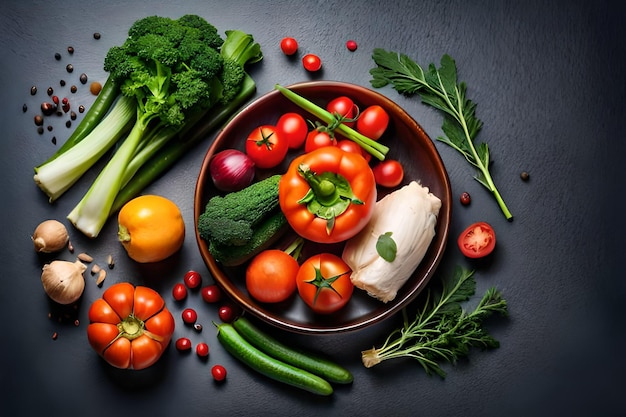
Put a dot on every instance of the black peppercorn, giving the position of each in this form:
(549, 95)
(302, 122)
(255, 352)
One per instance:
(69, 67)
(57, 56)
(83, 78)
(70, 49)
(96, 35)
(33, 90)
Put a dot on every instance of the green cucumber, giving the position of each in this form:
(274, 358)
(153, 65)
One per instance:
(322, 367)
(242, 350)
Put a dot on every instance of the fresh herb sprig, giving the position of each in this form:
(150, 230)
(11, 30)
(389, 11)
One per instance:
(439, 88)
(442, 330)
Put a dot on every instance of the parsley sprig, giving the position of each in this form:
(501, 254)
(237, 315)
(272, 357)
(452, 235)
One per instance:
(442, 330)
(438, 87)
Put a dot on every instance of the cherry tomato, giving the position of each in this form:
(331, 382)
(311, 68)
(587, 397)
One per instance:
(211, 293)
(179, 292)
(202, 350)
(271, 276)
(344, 107)
(266, 147)
(289, 46)
(226, 313)
(183, 344)
(192, 279)
(351, 146)
(324, 283)
(318, 139)
(293, 128)
(218, 372)
(373, 122)
(189, 315)
(311, 62)
(388, 173)
(477, 240)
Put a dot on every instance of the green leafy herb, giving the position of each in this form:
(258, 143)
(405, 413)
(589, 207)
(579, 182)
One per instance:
(439, 88)
(386, 247)
(442, 331)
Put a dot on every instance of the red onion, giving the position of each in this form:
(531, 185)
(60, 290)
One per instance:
(231, 170)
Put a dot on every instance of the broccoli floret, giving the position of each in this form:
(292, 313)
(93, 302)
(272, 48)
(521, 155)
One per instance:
(231, 219)
(264, 235)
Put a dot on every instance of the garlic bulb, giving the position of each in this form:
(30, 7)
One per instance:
(63, 281)
(50, 236)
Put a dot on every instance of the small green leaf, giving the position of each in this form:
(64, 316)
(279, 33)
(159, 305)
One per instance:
(386, 247)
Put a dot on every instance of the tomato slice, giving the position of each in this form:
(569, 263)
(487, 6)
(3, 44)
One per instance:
(477, 240)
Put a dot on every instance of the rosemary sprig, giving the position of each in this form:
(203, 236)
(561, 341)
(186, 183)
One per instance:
(439, 88)
(442, 331)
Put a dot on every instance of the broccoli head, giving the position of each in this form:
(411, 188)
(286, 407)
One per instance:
(170, 66)
(231, 219)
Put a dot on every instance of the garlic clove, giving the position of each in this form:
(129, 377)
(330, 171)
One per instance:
(63, 281)
(50, 236)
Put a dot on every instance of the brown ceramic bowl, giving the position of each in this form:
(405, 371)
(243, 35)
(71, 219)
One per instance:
(408, 143)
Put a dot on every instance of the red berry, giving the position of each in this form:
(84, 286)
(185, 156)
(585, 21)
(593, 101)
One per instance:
(183, 344)
(211, 293)
(202, 350)
(226, 314)
(192, 279)
(351, 45)
(179, 292)
(189, 315)
(218, 372)
(465, 198)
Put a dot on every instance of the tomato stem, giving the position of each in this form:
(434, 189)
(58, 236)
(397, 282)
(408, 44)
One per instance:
(131, 327)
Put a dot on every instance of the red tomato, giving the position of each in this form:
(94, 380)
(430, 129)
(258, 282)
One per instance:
(311, 62)
(266, 147)
(289, 46)
(477, 240)
(324, 283)
(348, 145)
(271, 276)
(316, 139)
(373, 122)
(293, 128)
(388, 173)
(130, 327)
(344, 107)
